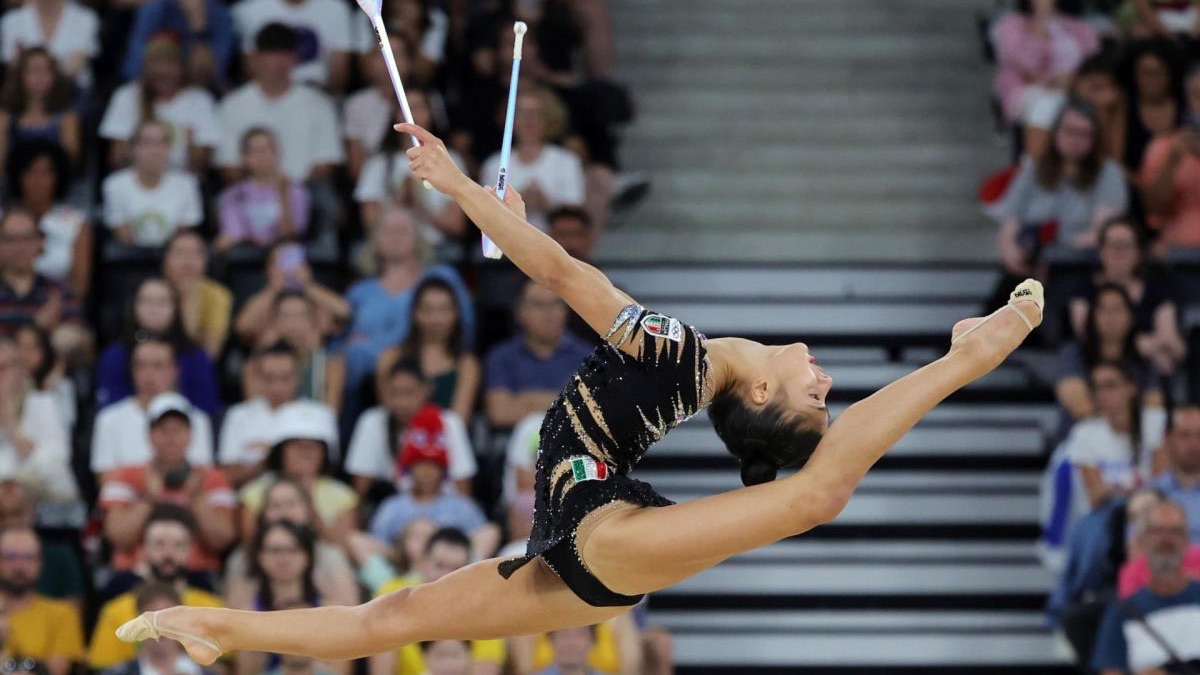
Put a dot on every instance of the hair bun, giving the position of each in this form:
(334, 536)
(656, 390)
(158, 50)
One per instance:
(755, 472)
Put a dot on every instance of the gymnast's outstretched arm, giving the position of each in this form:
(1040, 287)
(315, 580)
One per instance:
(581, 285)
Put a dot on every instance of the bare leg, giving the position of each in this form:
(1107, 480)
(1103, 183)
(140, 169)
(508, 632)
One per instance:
(642, 550)
(474, 603)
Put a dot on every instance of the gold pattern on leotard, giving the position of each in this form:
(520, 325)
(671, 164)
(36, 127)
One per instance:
(593, 448)
(593, 408)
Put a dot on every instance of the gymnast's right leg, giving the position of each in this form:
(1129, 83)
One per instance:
(474, 603)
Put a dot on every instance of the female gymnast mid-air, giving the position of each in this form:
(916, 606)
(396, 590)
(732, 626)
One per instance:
(600, 538)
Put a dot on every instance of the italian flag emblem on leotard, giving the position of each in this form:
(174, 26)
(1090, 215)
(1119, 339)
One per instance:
(586, 468)
(663, 326)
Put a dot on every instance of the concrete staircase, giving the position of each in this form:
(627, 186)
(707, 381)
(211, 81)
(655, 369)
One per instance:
(789, 130)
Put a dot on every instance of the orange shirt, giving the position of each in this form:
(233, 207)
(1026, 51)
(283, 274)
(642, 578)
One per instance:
(1179, 222)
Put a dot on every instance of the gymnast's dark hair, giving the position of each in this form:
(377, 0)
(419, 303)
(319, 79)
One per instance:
(764, 440)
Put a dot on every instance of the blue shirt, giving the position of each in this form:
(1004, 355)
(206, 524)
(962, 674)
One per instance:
(447, 510)
(380, 319)
(513, 366)
(1112, 648)
(159, 16)
(197, 378)
(1188, 498)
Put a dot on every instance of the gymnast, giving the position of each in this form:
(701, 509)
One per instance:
(602, 539)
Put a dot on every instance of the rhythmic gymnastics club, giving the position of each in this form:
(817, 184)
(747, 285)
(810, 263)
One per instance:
(374, 11)
(490, 250)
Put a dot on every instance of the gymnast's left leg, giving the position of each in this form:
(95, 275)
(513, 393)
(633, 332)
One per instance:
(474, 603)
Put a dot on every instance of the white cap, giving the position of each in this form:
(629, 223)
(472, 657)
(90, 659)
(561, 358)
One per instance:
(304, 420)
(166, 403)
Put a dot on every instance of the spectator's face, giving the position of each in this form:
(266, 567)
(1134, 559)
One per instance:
(154, 370)
(20, 561)
(294, 319)
(1114, 393)
(164, 74)
(1043, 7)
(184, 260)
(169, 439)
(405, 395)
(573, 236)
(166, 548)
(1099, 90)
(542, 314)
(396, 236)
(277, 372)
(1074, 136)
(441, 560)
(1112, 316)
(260, 156)
(415, 537)
(436, 314)
(273, 67)
(152, 149)
(427, 477)
(1192, 90)
(38, 76)
(154, 307)
(20, 242)
(303, 459)
(530, 122)
(29, 350)
(282, 557)
(284, 501)
(38, 182)
(572, 646)
(1153, 77)
(1165, 540)
(1119, 251)
(16, 506)
(1184, 445)
(448, 657)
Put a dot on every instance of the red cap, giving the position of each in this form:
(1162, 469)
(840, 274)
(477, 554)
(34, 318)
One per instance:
(424, 441)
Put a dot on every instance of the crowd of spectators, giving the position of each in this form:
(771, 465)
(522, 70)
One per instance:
(244, 357)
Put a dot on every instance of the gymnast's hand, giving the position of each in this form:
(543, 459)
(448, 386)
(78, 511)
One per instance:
(431, 162)
(513, 200)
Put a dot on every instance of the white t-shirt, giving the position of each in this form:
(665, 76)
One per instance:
(154, 213)
(49, 465)
(373, 187)
(303, 120)
(192, 109)
(61, 225)
(557, 172)
(368, 117)
(322, 27)
(370, 454)
(249, 426)
(521, 453)
(1092, 442)
(121, 437)
(77, 32)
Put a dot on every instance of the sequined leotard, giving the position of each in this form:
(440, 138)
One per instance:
(609, 414)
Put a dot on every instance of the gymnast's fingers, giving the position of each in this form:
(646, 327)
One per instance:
(419, 133)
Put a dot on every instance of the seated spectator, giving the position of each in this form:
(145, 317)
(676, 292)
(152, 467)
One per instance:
(120, 437)
(1169, 605)
(574, 230)
(333, 575)
(1123, 262)
(29, 297)
(571, 647)
(38, 183)
(520, 525)
(425, 462)
(1156, 103)
(65, 28)
(323, 26)
(206, 29)
(1095, 83)
(145, 203)
(380, 562)
(447, 551)
(45, 370)
(303, 119)
(129, 494)
(249, 426)
(156, 656)
(39, 628)
(424, 25)
(1135, 572)
(1180, 481)
(1063, 197)
(1114, 451)
(302, 449)
(615, 647)
(162, 93)
(386, 180)
(520, 458)
(288, 272)
(546, 175)
(36, 105)
(205, 305)
(436, 341)
(1037, 49)
(155, 310)
(293, 319)
(523, 375)
(382, 432)
(167, 551)
(1170, 178)
(1109, 334)
(447, 657)
(266, 206)
(380, 304)
(282, 556)
(62, 570)
(34, 445)
(370, 112)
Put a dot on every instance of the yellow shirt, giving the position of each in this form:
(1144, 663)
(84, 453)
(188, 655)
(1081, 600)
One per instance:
(604, 657)
(410, 660)
(213, 309)
(330, 497)
(106, 650)
(46, 629)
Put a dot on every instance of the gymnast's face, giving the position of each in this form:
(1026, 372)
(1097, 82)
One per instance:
(795, 379)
